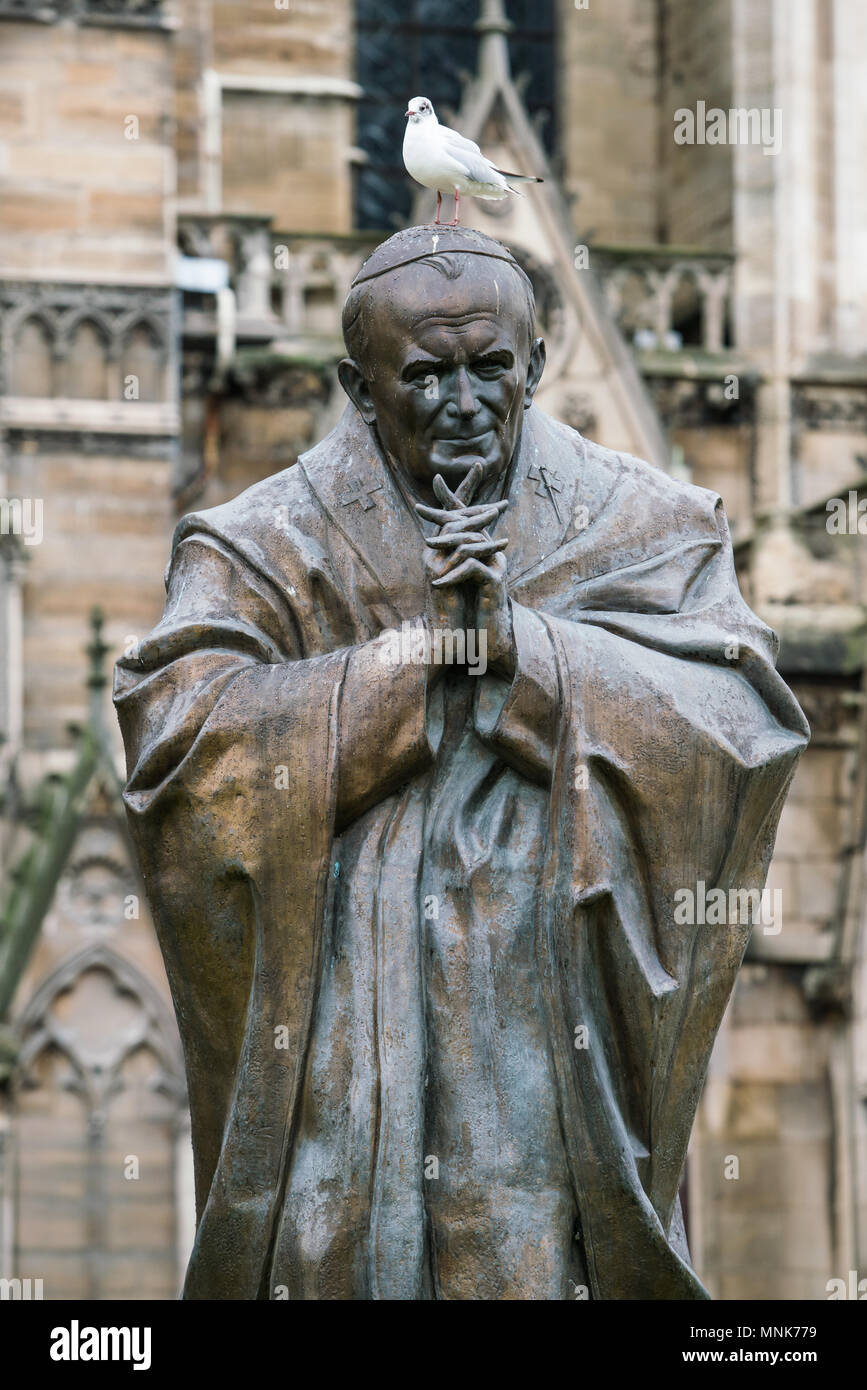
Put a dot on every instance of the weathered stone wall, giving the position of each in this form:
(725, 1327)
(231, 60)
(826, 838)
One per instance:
(107, 517)
(774, 1165)
(87, 174)
(607, 77)
(265, 111)
(695, 45)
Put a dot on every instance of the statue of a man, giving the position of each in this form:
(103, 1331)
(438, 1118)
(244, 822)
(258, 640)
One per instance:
(438, 732)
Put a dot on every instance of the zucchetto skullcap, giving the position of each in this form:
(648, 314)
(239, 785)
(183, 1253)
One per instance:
(415, 243)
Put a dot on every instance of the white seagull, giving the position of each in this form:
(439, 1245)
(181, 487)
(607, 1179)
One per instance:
(440, 158)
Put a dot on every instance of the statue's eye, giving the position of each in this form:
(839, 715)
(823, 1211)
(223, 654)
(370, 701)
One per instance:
(424, 374)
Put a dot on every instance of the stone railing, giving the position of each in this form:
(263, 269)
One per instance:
(291, 285)
(668, 298)
(311, 280)
(287, 286)
(122, 12)
(243, 242)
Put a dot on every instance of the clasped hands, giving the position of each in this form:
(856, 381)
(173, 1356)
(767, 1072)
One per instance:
(465, 569)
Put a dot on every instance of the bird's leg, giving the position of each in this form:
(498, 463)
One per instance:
(439, 205)
(457, 217)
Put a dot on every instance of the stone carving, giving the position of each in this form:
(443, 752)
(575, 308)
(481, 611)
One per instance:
(95, 1059)
(686, 403)
(422, 791)
(824, 406)
(126, 329)
(131, 12)
(656, 293)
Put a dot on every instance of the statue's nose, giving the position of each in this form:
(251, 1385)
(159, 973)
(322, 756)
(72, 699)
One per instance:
(463, 400)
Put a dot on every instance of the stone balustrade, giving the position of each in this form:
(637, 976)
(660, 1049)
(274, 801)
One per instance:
(292, 285)
(121, 12)
(288, 286)
(668, 298)
(311, 280)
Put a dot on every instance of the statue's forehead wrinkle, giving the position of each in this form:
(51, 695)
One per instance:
(443, 317)
(460, 299)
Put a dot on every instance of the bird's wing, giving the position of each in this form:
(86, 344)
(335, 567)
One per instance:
(454, 137)
(468, 155)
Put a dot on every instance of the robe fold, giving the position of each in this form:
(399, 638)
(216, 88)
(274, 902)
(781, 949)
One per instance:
(407, 919)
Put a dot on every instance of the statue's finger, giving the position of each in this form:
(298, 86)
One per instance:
(468, 569)
(452, 522)
(471, 521)
(466, 488)
(498, 507)
(444, 493)
(485, 547)
(458, 514)
(433, 513)
(447, 539)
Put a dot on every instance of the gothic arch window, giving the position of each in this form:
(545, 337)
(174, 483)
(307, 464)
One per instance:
(407, 48)
(32, 359)
(87, 362)
(142, 363)
(98, 1107)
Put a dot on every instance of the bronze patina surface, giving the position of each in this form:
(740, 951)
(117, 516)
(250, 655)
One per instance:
(438, 729)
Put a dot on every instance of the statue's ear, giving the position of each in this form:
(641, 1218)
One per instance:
(352, 380)
(535, 368)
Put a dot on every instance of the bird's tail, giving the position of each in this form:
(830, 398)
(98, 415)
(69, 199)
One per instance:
(520, 178)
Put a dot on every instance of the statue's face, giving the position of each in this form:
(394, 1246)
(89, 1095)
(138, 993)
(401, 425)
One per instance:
(449, 369)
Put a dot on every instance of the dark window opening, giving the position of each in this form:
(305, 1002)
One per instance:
(408, 48)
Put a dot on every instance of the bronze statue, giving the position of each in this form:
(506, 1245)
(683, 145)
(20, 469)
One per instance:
(437, 729)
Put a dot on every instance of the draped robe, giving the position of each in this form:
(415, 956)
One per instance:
(336, 848)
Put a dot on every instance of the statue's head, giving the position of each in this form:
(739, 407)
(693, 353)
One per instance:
(439, 326)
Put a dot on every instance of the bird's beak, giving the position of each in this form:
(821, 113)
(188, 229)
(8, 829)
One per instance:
(407, 113)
